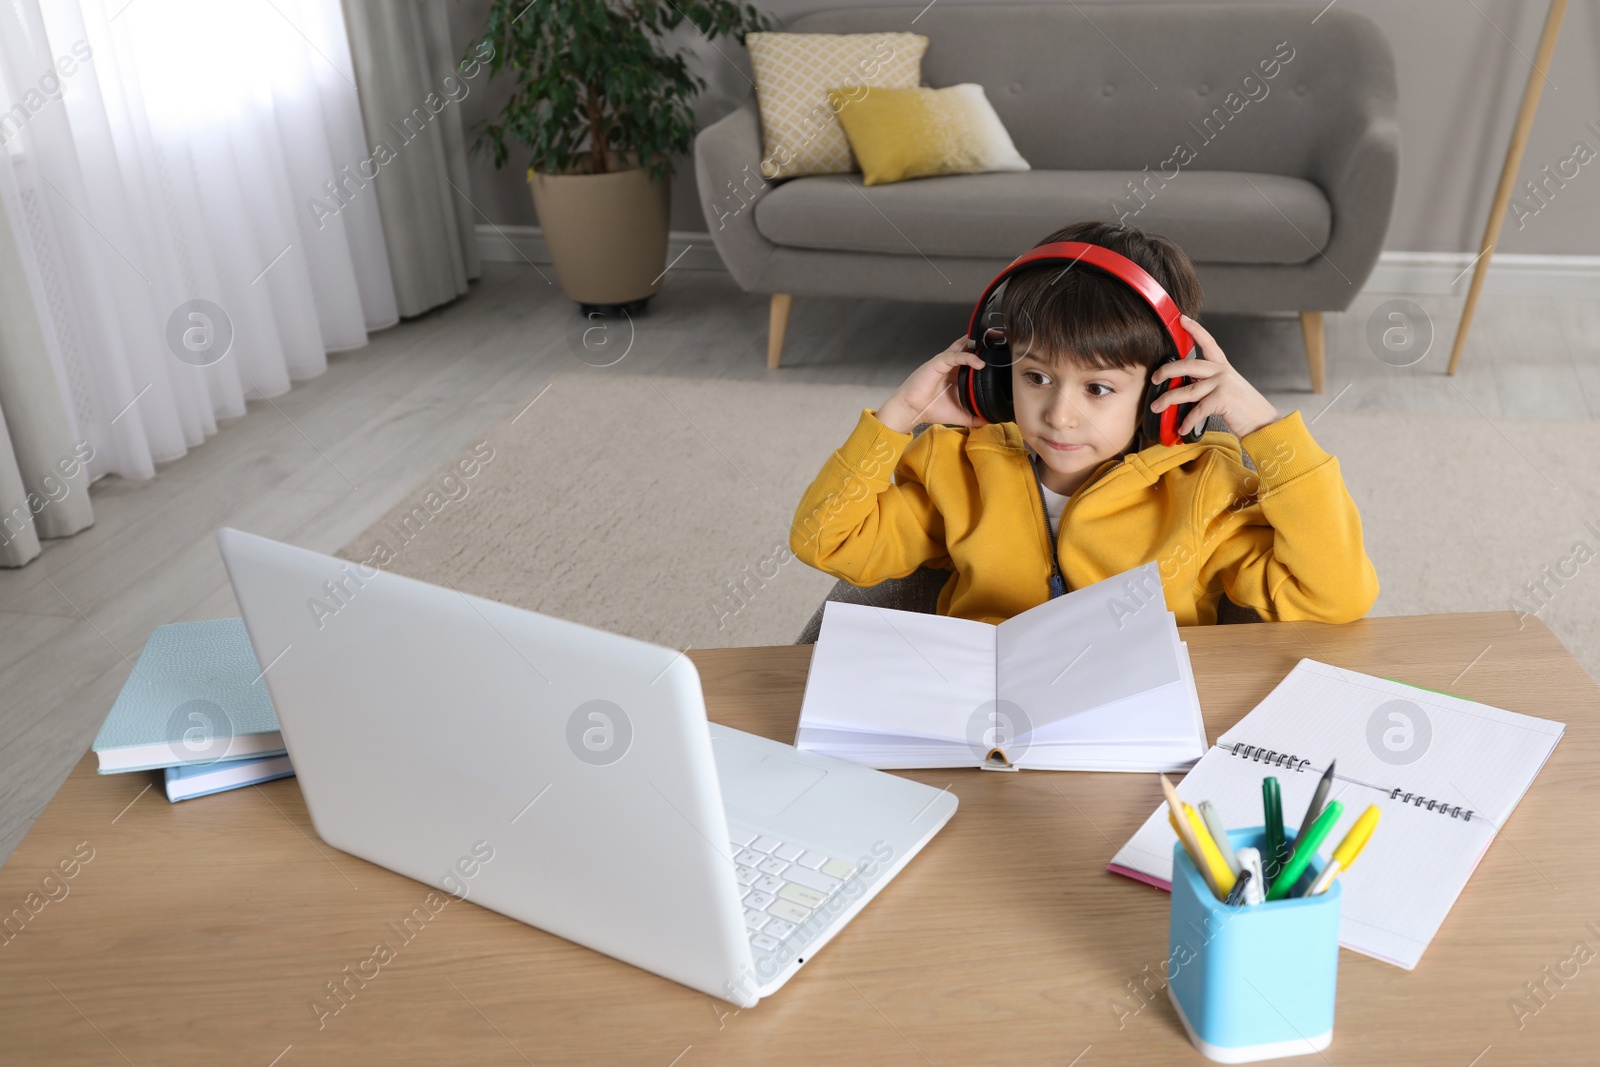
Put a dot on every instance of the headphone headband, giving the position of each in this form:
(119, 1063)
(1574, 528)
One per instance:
(986, 393)
(1112, 263)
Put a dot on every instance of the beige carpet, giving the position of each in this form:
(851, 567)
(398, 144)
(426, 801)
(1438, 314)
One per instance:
(660, 508)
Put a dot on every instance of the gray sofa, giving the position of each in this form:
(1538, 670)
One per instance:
(1283, 200)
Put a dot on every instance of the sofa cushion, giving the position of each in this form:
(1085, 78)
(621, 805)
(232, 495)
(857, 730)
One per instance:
(1216, 216)
(799, 132)
(900, 134)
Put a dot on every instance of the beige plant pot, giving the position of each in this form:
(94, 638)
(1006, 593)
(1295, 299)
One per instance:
(607, 233)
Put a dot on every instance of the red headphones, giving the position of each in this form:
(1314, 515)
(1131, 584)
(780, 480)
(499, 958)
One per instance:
(986, 393)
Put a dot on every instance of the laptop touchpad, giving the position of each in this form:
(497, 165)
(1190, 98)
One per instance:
(761, 783)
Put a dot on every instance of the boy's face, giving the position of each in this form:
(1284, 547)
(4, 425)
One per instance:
(1093, 411)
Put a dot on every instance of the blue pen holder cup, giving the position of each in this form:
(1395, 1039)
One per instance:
(1253, 982)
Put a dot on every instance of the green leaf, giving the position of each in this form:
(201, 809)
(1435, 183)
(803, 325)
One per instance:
(588, 74)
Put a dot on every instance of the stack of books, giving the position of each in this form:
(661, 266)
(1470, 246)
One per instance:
(195, 708)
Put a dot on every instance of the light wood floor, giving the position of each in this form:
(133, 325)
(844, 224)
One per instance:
(320, 464)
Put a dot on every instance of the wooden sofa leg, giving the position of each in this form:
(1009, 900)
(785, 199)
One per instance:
(1311, 332)
(777, 326)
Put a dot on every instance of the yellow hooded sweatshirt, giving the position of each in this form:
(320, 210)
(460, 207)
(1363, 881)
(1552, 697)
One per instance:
(1284, 539)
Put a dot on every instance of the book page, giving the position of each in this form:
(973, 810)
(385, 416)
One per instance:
(1166, 715)
(884, 671)
(1093, 647)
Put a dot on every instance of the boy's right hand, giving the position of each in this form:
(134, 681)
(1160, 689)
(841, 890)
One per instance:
(929, 394)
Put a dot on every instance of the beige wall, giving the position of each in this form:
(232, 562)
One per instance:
(1462, 67)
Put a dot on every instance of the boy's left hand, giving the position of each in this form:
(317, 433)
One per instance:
(1215, 388)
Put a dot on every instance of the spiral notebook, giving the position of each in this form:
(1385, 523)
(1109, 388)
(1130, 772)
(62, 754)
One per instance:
(1445, 772)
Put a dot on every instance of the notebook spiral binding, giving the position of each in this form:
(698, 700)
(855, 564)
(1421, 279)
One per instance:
(1417, 800)
(1295, 763)
(1262, 755)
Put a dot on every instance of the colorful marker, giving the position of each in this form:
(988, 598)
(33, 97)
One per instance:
(1250, 863)
(1314, 808)
(1220, 874)
(1277, 850)
(1349, 848)
(1185, 832)
(1304, 850)
(1219, 834)
(1240, 888)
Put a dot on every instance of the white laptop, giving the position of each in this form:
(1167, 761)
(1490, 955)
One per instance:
(564, 776)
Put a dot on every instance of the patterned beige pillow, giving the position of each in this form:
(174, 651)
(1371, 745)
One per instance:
(800, 133)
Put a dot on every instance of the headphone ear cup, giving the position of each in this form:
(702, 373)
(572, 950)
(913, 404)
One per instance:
(1150, 424)
(993, 387)
(1163, 425)
(966, 390)
(989, 387)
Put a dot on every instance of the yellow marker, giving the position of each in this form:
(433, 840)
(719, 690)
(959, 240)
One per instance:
(1213, 855)
(1186, 835)
(1348, 850)
(1191, 847)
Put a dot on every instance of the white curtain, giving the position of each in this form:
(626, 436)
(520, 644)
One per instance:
(163, 166)
(413, 83)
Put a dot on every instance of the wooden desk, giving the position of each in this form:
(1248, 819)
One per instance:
(200, 933)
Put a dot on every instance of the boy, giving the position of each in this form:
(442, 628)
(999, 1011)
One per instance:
(984, 500)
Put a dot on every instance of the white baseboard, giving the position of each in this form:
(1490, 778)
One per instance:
(1405, 273)
(1438, 273)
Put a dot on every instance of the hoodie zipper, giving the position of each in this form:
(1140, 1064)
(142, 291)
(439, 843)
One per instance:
(1058, 583)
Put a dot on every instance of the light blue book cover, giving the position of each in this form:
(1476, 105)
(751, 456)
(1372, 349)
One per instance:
(196, 696)
(201, 780)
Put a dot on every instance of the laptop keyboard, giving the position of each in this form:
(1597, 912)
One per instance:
(781, 885)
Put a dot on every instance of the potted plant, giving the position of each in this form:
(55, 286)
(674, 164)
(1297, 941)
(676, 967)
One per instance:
(600, 109)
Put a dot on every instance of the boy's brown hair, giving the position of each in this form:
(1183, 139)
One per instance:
(1083, 315)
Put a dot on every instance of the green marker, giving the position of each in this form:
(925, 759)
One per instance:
(1314, 808)
(1304, 850)
(1277, 850)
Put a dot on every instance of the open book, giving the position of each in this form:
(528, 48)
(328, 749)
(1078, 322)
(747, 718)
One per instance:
(1445, 773)
(1095, 679)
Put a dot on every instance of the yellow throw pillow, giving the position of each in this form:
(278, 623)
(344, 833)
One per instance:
(794, 71)
(917, 133)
